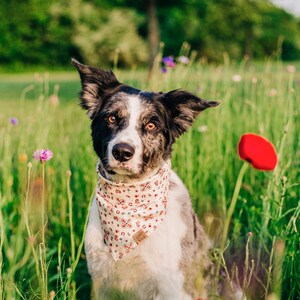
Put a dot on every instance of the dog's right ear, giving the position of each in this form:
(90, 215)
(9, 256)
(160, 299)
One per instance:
(94, 84)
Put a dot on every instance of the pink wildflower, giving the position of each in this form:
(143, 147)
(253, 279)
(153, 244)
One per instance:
(169, 62)
(183, 59)
(291, 69)
(42, 155)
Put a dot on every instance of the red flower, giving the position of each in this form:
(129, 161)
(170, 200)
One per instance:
(258, 151)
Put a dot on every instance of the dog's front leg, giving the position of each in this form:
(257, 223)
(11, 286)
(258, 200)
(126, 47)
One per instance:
(99, 259)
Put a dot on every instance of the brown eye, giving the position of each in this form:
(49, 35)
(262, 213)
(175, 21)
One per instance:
(111, 119)
(150, 126)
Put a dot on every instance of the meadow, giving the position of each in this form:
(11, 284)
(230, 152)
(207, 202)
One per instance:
(41, 254)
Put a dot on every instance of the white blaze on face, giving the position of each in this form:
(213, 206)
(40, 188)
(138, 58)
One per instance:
(129, 135)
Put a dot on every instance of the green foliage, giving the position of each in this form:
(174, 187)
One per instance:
(37, 32)
(29, 36)
(238, 27)
(98, 33)
(265, 101)
(277, 24)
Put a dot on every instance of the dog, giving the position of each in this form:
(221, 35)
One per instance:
(143, 237)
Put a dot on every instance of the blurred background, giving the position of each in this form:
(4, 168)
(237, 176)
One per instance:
(48, 33)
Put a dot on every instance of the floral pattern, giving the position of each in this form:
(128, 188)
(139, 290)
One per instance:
(130, 213)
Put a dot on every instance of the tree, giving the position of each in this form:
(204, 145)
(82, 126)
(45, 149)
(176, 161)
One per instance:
(35, 32)
(153, 31)
(98, 32)
(151, 11)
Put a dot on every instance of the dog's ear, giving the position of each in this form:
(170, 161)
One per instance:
(94, 84)
(183, 108)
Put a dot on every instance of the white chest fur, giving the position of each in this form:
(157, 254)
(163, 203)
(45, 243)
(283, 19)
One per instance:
(152, 269)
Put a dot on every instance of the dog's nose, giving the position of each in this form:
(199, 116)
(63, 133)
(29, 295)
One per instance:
(122, 152)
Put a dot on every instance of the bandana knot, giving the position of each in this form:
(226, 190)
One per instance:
(130, 213)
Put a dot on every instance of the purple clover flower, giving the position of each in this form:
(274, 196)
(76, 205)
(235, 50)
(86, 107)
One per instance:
(169, 61)
(42, 155)
(14, 121)
(164, 70)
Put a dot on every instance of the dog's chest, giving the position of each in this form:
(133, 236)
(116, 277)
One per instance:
(158, 255)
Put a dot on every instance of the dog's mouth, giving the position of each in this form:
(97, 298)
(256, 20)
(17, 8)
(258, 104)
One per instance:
(122, 169)
(125, 171)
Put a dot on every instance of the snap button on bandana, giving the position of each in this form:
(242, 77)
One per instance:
(129, 212)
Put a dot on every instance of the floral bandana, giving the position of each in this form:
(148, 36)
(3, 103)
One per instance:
(129, 213)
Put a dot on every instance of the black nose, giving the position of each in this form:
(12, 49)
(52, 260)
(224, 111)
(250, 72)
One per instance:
(122, 152)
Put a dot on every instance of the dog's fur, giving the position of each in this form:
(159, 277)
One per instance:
(173, 262)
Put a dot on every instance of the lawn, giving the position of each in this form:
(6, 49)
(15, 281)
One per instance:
(42, 257)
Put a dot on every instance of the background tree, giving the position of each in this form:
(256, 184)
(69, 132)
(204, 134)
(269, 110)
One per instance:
(150, 28)
(37, 32)
(98, 32)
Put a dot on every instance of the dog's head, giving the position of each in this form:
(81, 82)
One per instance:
(133, 131)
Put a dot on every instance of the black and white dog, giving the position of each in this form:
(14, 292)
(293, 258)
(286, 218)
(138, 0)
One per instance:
(143, 237)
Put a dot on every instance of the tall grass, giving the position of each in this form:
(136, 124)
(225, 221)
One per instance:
(42, 257)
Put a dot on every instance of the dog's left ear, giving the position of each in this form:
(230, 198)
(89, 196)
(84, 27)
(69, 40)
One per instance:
(183, 108)
(95, 83)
